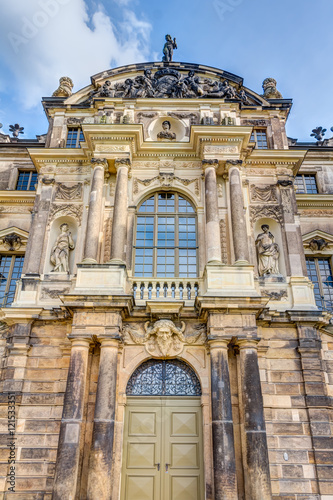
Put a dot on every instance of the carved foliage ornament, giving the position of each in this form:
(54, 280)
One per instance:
(163, 339)
(263, 211)
(275, 295)
(12, 242)
(62, 210)
(165, 180)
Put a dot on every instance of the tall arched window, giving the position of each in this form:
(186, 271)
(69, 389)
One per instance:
(166, 239)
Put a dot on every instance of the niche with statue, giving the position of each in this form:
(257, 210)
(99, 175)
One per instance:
(62, 243)
(269, 250)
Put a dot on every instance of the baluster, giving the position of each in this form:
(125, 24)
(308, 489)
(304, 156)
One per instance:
(165, 289)
(142, 289)
(158, 289)
(135, 287)
(181, 291)
(189, 290)
(177, 294)
(146, 292)
(150, 287)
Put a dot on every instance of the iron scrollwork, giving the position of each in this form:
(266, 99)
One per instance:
(163, 378)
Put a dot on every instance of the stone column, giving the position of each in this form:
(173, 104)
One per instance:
(119, 226)
(213, 239)
(225, 480)
(254, 440)
(100, 460)
(94, 212)
(239, 232)
(68, 458)
(37, 231)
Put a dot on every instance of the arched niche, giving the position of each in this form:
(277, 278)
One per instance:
(53, 235)
(275, 229)
(177, 126)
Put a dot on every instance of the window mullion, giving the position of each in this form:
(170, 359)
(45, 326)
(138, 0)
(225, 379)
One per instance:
(319, 278)
(9, 279)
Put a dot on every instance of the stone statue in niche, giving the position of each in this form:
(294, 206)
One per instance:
(168, 48)
(60, 250)
(166, 133)
(268, 252)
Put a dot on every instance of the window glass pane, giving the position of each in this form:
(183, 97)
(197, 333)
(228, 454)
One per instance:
(310, 184)
(299, 184)
(72, 136)
(33, 181)
(320, 273)
(10, 272)
(23, 181)
(173, 246)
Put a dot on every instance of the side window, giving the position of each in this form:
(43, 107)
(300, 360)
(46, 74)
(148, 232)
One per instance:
(306, 183)
(10, 271)
(259, 136)
(320, 273)
(26, 181)
(74, 138)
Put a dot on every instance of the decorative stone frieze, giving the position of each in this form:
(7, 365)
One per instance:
(264, 194)
(69, 192)
(66, 209)
(266, 211)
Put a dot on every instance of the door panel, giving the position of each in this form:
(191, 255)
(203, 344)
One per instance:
(183, 451)
(165, 431)
(142, 451)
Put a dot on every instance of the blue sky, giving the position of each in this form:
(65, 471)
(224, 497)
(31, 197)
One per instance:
(290, 40)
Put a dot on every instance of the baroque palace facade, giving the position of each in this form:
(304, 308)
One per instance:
(166, 287)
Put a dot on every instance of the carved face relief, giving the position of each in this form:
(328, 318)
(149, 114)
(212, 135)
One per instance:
(164, 339)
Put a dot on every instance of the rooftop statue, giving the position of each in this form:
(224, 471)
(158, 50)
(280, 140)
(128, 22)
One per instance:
(168, 48)
(65, 87)
(270, 90)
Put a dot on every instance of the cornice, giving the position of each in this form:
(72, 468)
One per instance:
(17, 197)
(314, 200)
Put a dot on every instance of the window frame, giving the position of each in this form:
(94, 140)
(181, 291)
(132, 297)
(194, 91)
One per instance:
(255, 139)
(303, 176)
(321, 298)
(79, 137)
(30, 172)
(5, 298)
(156, 214)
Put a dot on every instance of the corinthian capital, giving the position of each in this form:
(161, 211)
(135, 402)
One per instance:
(210, 163)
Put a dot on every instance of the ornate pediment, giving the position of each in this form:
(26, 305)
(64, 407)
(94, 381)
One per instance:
(13, 239)
(167, 80)
(318, 242)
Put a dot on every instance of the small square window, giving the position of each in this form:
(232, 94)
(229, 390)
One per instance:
(74, 138)
(306, 184)
(27, 181)
(259, 136)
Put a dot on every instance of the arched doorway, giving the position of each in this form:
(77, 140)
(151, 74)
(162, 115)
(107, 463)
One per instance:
(162, 453)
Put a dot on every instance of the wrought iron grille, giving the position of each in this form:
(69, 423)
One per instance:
(163, 378)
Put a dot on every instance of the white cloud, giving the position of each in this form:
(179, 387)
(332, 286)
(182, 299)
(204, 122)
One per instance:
(42, 40)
